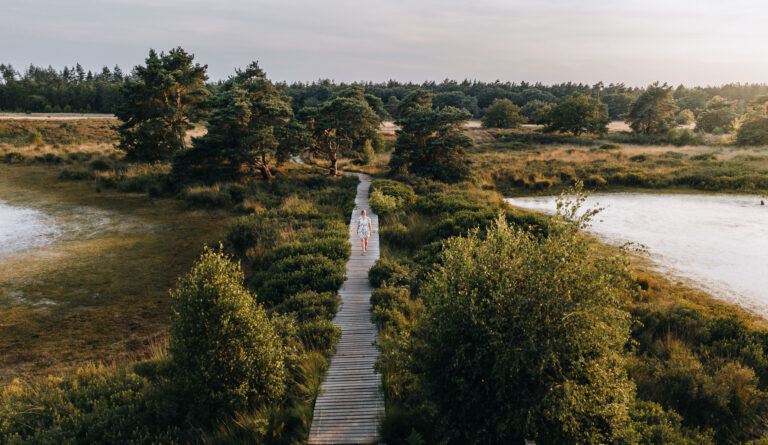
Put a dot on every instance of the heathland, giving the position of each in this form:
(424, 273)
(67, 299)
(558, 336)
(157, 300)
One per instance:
(496, 324)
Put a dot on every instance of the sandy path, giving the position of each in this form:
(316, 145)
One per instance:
(53, 116)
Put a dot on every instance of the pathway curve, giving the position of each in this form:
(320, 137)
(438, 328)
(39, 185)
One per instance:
(350, 403)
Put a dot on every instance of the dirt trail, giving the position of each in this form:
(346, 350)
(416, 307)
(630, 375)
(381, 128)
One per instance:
(53, 116)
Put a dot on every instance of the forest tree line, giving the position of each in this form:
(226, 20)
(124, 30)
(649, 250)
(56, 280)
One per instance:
(73, 89)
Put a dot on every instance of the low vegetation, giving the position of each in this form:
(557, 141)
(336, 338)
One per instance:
(675, 366)
(495, 325)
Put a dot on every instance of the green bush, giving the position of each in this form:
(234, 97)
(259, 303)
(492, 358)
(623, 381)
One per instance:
(560, 361)
(709, 368)
(653, 425)
(310, 305)
(379, 144)
(250, 231)
(461, 222)
(753, 131)
(438, 203)
(208, 198)
(92, 405)
(34, 137)
(226, 353)
(296, 274)
(382, 204)
(610, 146)
(388, 296)
(337, 249)
(390, 272)
(681, 137)
(398, 235)
(319, 335)
(388, 195)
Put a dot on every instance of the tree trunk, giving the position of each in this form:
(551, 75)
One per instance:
(265, 172)
(334, 171)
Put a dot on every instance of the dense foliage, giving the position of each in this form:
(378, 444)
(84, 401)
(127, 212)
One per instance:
(159, 103)
(577, 115)
(70, 90)
(340, 127)
(717, 116)
(226, 353)
(250, 128)
(498, 328)
(503, 113)
(432, 143)
(654, 110)
(754, 128)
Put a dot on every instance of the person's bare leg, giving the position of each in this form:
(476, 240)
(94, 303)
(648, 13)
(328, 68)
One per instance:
(365, 245)
(362, 245)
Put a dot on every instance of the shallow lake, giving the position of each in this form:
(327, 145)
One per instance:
(719, 242)
(35, 225)
(22, 228)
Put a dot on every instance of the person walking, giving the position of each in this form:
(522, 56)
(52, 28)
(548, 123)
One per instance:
(364, 229)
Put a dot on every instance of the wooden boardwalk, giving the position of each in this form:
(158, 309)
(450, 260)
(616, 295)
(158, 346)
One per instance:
(350, 403)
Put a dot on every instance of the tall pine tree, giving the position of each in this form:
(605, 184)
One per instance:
(159, 104)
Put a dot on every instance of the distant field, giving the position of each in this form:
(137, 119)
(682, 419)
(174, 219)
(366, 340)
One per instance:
(53, 116)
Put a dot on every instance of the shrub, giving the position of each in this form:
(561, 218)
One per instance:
(471, 360)
(610, 146)
(209, 197)
(95, 404)
(390, 272)
(379, 144)
(681, 137)
(320, 335)
(704, 157)
(503, 113)
(753, 131)
(684, 117)
(399, 236)
(437, 203)
(34, 137)
(99, 165)
(366, 154)
(310, 305)
(295, 274)
(388, 296)
(249, 231)
(594, 181)
(76, 175)
(226, 353)
(461, 222)
(336, 249)
(399, 190)
(382, 204)
(14, 157)
(654, 425)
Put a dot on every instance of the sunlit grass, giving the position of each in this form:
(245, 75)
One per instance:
(103, 297)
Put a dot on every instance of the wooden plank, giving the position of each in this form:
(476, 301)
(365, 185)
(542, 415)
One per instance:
(350, 403)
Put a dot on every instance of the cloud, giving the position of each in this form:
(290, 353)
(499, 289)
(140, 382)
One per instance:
(705, 42)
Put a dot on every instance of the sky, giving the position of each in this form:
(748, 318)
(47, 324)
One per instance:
(704, 42)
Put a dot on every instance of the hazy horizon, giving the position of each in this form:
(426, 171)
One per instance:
(695, 44)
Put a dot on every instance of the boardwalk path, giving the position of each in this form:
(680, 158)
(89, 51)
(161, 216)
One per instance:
(350, 403)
